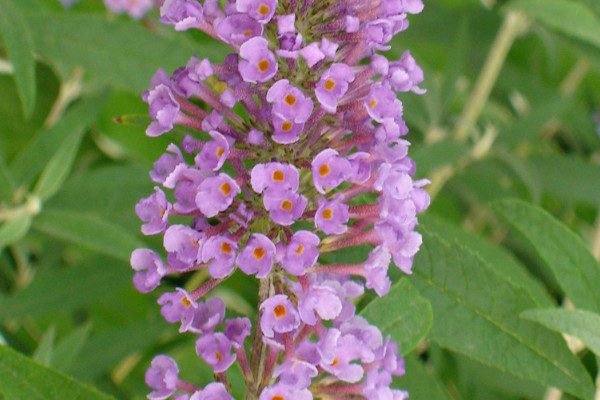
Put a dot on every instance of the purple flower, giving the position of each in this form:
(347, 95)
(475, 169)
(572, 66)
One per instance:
(257, 257)
(149, 269)
(332, 216)
(296, 373)
(382, 103)
(333, 85)
(319, 300)
(257, 63)
(215, 350)
(404, 75)
(274, 176)
(282, 391)
(284, 206)
(183, 14)
(312, 54)
(221, 250)
(376, 271)
(236, 29)
(289, 102)
(136, 9)
(338, 351)
(212, 391)
(215, 194)
(237, 329)
(213, 153)
(286, 131)
(329, 170)
(207, 315)
(379, 33)
(178, 306)
(278, 315)
(162, 377)
(301, 253)
(163, 106)
(154, 210)
(286, 23)
(185, 243)
(260, 10)
(166, 164)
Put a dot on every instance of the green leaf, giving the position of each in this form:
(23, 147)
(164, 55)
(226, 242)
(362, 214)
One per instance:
(420, 383)
(120, 53)
(496, 257)
(43, 353)
(582, 324)
(570, 18)
(403, 313)
(32, 159)
(68, 349)
(568, 257)
(14, 229)
(7, 183)
(88, 230)
(569, 179)
(63, 290)
(57, 170)
(476, 314)
(19, 44)
(21, 378)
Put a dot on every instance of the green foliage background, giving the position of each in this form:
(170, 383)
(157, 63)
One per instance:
(506, 133)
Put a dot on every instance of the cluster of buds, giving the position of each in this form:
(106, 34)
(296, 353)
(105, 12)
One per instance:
(294, 151)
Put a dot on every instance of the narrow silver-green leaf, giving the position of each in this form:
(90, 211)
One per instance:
(403, 313)
(17, 38)
(565, 16)
(14, 229)
(564, 252)
(88, 230)
(57, 170)
(584, 325)
(22, 378)
(32, 159)
(476, 314)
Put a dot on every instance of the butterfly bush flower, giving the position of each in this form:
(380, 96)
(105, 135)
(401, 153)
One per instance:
(294, 150)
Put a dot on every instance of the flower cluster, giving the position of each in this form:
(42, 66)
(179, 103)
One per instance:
(293, 150)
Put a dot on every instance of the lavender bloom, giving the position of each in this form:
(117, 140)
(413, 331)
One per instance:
(215, 194)
(278, 315)
(276, 176)
(332, 216)
(258, 63)
(154, 210)
(166, 164)
(178, 306)
(260, 10)
(282, 391)
(215, 349)
(405, 75)
(329, 170)
(149, 270)
(162, 377)
(236, 29)
(213, 153)
(183, 14)
(382, 103)
(284, 206)
(257, 257)
(237, 330)
(301, 253)
(163, 106)
(212, 391)
(289, 102)
(220, 251)
(333, 85)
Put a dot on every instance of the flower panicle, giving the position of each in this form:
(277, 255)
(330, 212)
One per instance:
(294, 149)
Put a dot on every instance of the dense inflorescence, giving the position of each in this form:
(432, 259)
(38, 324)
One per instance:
(294, 150)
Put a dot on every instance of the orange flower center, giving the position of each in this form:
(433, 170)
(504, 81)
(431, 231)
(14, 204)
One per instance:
(219, 356)
(186, 302)
(324, 170)
(248, 33)
(258, 253)
(286, 205)
(279, 311)
(220, 151)
(373, 103)
(225, 248)
(277, 397)
(329, 84)
(278, 176)
(335, 362)
(300, 249)
(263, 9)
(225, 189)
(263, 65)
(290, 100)
(327, 213)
